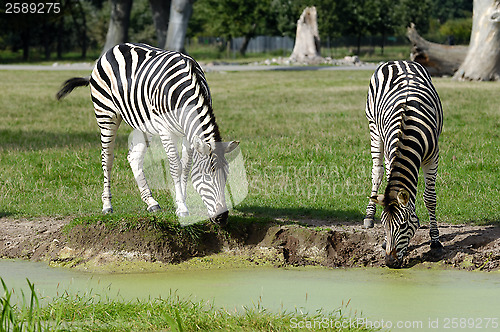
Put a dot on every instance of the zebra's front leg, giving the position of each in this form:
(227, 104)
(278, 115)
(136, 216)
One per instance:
(169, 142)
(377, 175)
(430, 172)
(138, 144)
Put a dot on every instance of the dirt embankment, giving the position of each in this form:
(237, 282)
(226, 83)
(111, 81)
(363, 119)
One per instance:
(341, 245)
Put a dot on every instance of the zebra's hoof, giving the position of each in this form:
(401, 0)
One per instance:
(368, 223)
(436, 245)
(154, 208)
(107, 210)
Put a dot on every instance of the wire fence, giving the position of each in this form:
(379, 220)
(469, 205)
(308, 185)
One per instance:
(329, 45)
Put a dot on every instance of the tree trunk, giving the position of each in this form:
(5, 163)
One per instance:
(306, 48)
(46, 28)
(83, 31)
(246, 40)
(59, 39)
(180, 12)
(244, 45)
(161, 12)
(358, 45)
(80, 26)
(118, 23)
(483, 58)
(438, 59)
(382, 44)
(26, 40)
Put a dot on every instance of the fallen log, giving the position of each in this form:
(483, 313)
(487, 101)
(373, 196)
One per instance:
(439, 59)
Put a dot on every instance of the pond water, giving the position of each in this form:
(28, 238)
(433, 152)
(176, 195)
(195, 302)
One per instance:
(415, 298)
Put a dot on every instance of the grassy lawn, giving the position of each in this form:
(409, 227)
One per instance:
(303, 134)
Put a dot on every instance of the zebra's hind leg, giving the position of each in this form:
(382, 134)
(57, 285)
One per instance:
(430, 172)
(377, 150)
(108, 136)
(138, 144)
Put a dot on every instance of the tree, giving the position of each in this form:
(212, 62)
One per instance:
(160, 10)
(171, 32)
(383, 20)
(360, 19)
(80, 19)
(413, 11)
(180, 12)
(482, 62)
(235, 18)
(444, 10)
(118, 23)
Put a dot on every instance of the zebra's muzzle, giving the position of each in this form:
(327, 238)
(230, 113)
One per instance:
(221, 218)
(392, 261)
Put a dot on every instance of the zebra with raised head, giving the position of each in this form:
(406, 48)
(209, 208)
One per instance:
(405, 119)
(163, 93)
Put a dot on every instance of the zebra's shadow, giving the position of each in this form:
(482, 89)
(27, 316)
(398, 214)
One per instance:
(41, 140)
(458, 242)
(307, 216)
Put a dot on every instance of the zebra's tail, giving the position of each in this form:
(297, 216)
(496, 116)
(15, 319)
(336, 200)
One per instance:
(71, 84)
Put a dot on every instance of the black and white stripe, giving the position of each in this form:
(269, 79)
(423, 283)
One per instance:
(163, 93)
(405, 119)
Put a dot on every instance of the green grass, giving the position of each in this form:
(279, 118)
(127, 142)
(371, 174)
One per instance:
(303, 134)
(91, 312)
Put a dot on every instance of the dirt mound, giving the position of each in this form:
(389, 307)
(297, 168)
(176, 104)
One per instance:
(340, 245)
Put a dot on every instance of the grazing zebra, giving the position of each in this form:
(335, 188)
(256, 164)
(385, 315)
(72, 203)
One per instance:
(405, 119)
(163, 93)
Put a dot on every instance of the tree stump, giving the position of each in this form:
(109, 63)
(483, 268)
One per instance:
(438, 59)
(482, 62)
(307, 47)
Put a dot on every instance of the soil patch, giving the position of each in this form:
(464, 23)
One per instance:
(312, 242)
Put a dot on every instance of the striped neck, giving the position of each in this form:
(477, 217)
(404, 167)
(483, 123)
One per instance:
(201, 123)
(403, 175)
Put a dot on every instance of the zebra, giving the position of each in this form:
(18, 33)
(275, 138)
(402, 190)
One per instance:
(163, 93)
(405, 119)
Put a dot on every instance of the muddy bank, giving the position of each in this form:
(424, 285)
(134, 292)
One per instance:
(278, 244)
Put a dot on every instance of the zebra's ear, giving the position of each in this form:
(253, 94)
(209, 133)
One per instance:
(201, 146)
(403, 197)
(378, 199)
(230, 146)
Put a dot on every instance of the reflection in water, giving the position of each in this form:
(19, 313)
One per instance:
(395, 295)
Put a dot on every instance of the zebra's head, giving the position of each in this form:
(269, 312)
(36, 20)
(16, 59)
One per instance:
(400, 223)
(209, 174)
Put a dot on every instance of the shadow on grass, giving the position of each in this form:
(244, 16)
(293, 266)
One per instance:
(40, 140)
(471, 243)
(313, 216)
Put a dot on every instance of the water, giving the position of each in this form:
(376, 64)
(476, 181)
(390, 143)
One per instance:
(419, 299)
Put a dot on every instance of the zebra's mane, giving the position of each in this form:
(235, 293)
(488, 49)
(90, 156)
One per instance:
(403, 108)
(391, 189)
(205, 92)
